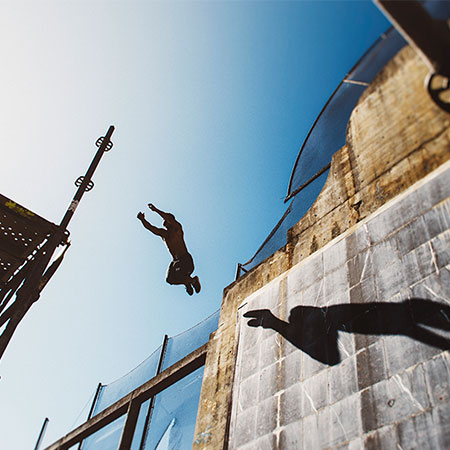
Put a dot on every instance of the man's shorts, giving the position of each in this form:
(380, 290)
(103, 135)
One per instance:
(180, 269)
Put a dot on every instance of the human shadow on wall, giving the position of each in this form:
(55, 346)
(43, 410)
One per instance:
(315, 329)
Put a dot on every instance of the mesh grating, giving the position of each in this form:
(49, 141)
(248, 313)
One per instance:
(21, 232)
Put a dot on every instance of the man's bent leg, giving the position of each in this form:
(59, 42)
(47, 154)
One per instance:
(174, 275)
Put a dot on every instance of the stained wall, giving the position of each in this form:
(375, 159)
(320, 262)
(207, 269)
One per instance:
(371, 254)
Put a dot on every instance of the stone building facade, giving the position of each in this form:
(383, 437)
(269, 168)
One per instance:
(339, 339)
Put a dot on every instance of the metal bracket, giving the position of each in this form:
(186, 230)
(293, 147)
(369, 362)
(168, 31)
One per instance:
(79, 182)
(438, 87)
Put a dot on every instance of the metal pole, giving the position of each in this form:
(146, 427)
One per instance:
(129, 428)
(86, 183)
(41, 434)
(91, 410)
(152, 400)
(29, 292)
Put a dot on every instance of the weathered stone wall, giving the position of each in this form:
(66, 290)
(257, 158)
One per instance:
(378, 232)
(315, 379)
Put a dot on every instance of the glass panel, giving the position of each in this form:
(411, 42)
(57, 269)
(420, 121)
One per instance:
(139, 431)
(114, 391)
(107, 438)
(173, 420)
(184, 343)
(377, 56)
(296, 210)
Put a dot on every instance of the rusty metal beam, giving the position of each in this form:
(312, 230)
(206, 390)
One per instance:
(133, 401)
(130, 425)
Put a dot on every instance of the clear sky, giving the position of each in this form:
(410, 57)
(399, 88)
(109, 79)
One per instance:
(211, 102)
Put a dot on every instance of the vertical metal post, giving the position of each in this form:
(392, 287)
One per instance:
(152, 400)
(130, 425)
(41, 434)
(91, 410)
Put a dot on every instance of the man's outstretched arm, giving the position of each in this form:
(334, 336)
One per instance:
(155, 230)
(166, 216)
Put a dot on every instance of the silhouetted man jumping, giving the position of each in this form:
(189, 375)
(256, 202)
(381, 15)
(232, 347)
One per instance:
(182, 265)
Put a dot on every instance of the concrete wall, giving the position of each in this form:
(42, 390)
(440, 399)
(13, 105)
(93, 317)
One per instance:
(387, 387)
(378, 236)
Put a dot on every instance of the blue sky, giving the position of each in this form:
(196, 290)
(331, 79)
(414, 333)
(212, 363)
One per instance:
(211, 102)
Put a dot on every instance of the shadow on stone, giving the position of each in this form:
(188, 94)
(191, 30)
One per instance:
(315, 329)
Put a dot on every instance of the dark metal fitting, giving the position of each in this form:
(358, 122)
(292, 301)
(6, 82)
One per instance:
(99, 142)
(438, 87)
(79, 182)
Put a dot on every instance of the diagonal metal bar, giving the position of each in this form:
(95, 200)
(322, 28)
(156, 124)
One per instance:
(171, 375)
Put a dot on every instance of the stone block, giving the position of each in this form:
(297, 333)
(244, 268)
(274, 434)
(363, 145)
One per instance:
(437, 219)
(432, 334)
(270, 350)
(308, 272)
(248, 390)
(357, 242)
(392, 400)
(432, 288)
(266, 416)
(384, 438)
(364, 292)
(324, 427)
(245, 427)
(335, 286)
(267, 297)
(401, 353)
(269, 382)
(292, 368)
(291, 437)
(355, 444)
(441, 421)
(434, 191)
(314, 294)
(344, 420)
(390, 281)
(346, 343)
(412, 235)
(267, 442)
(342, 379)
(311, 437)
(311, 366)
(385, 253)
(291, 302)
(295, 282)
(444, 279)
(437, 376)
(419, 430)
(335, 256)
(315, 393)
(250, 336)
(288, 348)
(370, 364)
(291, 404)
(418, 264)
(440, 245)
(359, 268)
(399, 214)
(248, 362)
